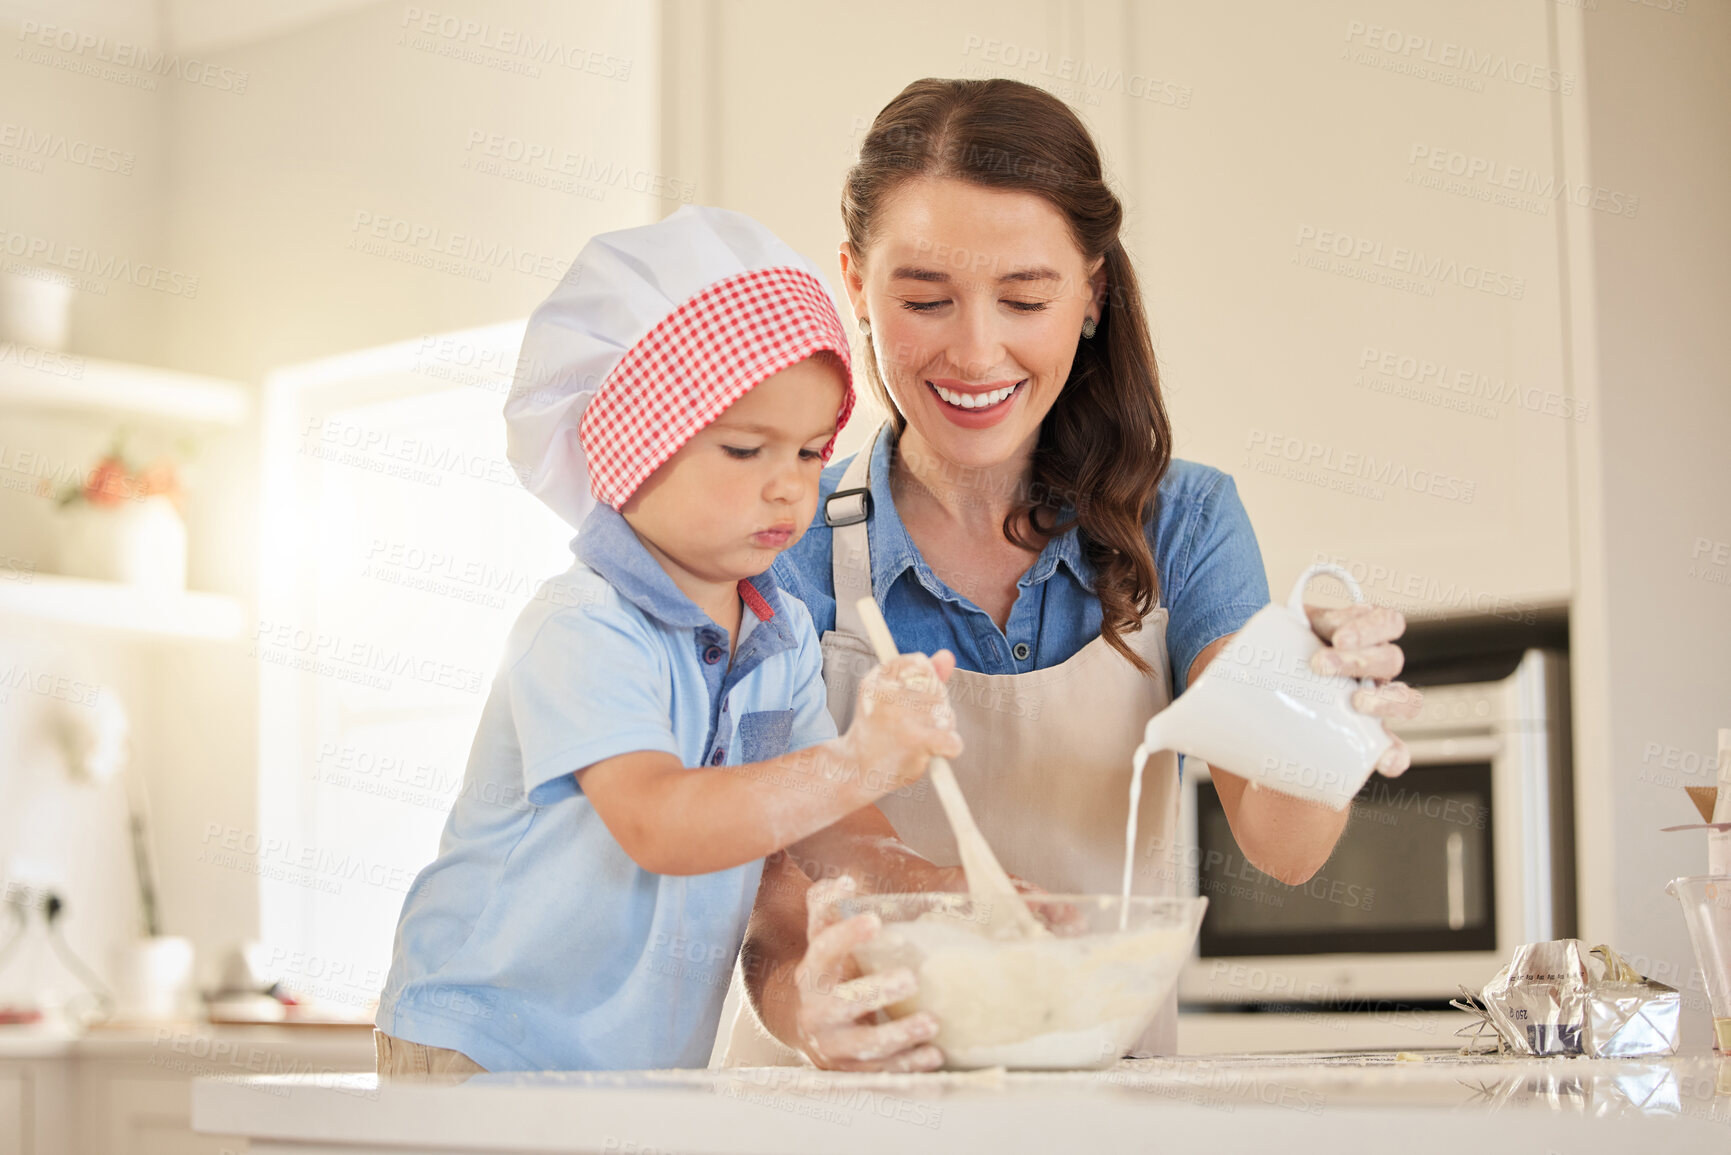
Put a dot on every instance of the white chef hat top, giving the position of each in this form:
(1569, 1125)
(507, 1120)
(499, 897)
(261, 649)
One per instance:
(642, 291)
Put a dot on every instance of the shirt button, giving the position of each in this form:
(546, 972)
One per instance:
(714, 654)
(1021, 650)
(717, 758)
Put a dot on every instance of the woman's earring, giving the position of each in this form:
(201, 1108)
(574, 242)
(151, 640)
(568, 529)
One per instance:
(865, 326)
(1088, 328)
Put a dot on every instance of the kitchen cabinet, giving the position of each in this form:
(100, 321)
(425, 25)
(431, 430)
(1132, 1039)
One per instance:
(1369, 341)
(130, 1092)
(144, 1116)
(1373, 346)
(15, 1094)
(133, 1091)
(36, 1115)
(17, 1111)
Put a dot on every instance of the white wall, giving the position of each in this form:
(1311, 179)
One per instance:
(1653, 611)
(1231, 134)
(775, 141)
(210, 25)
(368, 121)
(109, 209)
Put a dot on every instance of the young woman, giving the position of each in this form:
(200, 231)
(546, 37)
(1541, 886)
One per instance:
(1022, 509)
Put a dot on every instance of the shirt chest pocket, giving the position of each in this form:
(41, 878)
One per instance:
(764, 734)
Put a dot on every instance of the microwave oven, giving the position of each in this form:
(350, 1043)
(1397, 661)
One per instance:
(1440, 873)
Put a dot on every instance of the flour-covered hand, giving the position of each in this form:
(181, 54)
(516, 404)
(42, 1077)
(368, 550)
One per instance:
(902, 720)
(1360, 644)
(836, 1023)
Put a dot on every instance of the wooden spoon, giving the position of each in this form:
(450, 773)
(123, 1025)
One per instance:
(988, 884)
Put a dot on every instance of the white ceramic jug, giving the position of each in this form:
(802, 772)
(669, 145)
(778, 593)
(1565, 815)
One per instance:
(1259, 711)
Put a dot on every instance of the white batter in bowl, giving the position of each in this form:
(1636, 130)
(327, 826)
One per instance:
(1078, 998)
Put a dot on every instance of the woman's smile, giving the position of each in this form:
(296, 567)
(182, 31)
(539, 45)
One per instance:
(975, 406)
(976, 352)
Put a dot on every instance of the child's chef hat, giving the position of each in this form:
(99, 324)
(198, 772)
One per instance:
(652, 333)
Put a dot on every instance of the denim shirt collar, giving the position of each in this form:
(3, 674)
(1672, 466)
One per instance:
(607, 544)
(893, 552)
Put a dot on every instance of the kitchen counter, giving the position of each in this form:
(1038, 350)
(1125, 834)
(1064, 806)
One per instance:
(1411, 1102)
(192, 1037)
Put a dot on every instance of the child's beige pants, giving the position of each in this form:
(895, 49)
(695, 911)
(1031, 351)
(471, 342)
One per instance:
(401, 1059)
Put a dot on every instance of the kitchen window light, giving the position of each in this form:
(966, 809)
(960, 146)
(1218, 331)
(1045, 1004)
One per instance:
(396, 550)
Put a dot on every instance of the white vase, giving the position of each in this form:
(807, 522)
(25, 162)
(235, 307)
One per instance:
(153, 980)
(139, 542)
(35, 307)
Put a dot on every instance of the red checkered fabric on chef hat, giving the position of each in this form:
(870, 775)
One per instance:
(701, 358)
(659, 328)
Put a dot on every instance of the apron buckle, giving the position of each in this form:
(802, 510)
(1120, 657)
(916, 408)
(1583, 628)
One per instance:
(862, 510)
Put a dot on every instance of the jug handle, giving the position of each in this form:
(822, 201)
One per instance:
(1295, 603)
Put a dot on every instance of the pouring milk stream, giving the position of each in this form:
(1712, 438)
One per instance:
(1261, 712)
(1258, 710)
(1006, 990)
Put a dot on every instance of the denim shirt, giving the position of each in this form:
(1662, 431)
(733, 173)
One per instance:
(1205, 553)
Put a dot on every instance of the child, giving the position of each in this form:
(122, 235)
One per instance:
(658, 724)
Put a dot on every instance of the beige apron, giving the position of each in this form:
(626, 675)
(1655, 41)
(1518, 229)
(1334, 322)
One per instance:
(1045, 769)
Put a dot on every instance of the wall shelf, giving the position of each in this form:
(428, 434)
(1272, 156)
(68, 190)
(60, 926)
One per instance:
(33, 378)
(123, 609)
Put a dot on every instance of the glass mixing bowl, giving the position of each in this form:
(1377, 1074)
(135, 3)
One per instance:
(1077, 998)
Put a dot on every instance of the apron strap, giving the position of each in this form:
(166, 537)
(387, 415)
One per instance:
(849, 510)
(850, 541)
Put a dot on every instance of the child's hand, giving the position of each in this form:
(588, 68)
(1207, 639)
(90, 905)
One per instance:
(902, 720)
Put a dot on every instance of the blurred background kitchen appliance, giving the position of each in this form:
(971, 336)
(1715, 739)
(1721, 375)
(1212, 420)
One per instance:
(1441, 872)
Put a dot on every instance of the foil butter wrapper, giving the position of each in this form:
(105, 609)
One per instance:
(1629, 1015)
(1554, 999)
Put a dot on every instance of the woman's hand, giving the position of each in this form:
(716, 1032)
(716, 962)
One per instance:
(1361, 645)
(836, 1023)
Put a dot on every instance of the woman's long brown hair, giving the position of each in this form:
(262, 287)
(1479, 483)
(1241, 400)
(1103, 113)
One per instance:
(1107, 442)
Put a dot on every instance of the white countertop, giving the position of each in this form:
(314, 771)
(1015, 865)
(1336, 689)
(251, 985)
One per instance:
(1420, 1102)
(39, 1041)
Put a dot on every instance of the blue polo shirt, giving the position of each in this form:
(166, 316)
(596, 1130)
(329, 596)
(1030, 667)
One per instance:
(533, 941)
(1205, 553)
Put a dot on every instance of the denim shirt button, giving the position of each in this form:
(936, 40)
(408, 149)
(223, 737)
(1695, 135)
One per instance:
(1021, 650)
(713, 654)
(718, 757)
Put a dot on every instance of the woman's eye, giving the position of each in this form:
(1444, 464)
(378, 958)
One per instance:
(1026, 306)
(738, 453)
(922, 306)
(811, 454)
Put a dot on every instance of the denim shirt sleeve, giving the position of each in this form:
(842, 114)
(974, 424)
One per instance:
(1209, 562)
